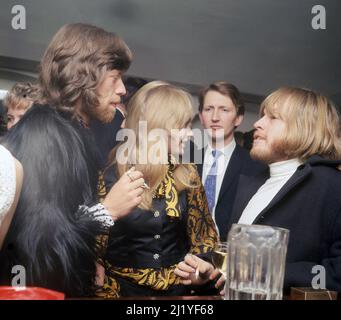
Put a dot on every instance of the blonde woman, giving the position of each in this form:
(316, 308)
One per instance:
(173, 219)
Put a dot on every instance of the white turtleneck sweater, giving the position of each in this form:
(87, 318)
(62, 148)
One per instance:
(280, 173)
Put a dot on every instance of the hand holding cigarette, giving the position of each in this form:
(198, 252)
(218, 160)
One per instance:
(125, 194)
(128, 173)
(193, 270)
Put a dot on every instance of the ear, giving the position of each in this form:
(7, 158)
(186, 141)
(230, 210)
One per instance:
(238, 120)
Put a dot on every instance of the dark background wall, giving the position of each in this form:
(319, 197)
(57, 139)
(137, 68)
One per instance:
(257, 44)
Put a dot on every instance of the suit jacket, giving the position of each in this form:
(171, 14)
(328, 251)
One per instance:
(309, 205)
(240, 164)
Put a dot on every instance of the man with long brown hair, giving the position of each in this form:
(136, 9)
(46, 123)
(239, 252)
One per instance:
(81, 76)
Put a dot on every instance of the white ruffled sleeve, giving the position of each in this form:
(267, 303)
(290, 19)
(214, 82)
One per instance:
(7, 181)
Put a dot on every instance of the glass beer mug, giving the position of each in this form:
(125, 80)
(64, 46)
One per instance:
(256, 262)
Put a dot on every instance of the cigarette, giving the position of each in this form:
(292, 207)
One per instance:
(145, 186)
(197, 273)
(131, 170)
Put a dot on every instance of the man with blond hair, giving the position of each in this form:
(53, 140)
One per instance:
(298, 137)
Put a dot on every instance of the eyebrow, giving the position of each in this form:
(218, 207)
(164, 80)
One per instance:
(219, 107)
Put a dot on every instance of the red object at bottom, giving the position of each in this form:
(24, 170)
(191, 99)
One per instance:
(29, 293)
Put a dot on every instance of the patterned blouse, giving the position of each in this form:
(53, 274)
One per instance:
(200, 234)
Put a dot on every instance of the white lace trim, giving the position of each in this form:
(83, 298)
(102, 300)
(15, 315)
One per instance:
(7, 181)
(99, 213)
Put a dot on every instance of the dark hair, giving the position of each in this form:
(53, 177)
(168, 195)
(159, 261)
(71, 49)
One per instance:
(132, 84)
(50, 235)
(226, 89)
(75, 61)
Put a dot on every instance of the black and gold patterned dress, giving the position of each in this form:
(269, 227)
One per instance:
(145, 246)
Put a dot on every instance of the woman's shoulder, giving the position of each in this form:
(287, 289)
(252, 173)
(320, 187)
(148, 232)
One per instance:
(7, 180)
(7, 163)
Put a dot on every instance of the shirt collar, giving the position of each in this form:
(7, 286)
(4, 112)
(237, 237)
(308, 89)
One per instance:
(226, 150)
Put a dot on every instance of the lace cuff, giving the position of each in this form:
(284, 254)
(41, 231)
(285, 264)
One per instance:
(99, 213)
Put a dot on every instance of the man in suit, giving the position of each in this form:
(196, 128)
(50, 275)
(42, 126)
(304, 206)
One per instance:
(221, 111)
(298, 137)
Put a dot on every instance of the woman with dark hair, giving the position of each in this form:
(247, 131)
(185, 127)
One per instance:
(57, 224)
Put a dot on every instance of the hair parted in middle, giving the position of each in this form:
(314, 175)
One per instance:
(312, 122)
(162, 106)
(75, 62)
